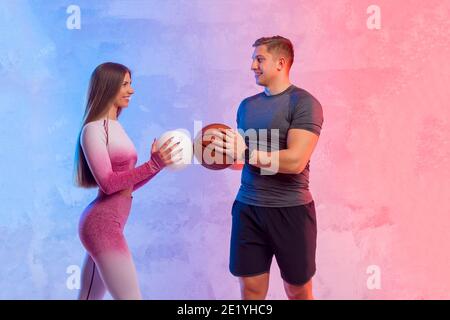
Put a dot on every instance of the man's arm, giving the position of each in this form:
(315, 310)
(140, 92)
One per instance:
(293, 160)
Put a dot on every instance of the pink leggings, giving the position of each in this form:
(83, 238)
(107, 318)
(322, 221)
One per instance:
(108, 264)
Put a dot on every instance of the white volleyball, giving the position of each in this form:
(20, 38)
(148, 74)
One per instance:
(185, 156)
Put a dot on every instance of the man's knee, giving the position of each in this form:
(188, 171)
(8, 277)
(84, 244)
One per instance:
(299, 292)
(255, 285)
(254, 288)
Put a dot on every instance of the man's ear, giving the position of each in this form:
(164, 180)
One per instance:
(281, 63)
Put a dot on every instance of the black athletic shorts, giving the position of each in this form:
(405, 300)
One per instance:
(259, 233)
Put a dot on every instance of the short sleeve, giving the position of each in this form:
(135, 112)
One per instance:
(238, 113)
(307, 114)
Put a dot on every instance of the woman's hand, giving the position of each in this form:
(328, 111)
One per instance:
(166, 154)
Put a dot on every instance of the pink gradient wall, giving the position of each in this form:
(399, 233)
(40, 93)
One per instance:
(380, 173)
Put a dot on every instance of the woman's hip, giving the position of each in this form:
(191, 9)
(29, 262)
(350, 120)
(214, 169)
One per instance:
(106, 210)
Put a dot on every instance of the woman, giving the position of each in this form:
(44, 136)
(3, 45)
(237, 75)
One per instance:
(106, 157)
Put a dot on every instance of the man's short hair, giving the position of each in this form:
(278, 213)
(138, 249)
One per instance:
(278, 45)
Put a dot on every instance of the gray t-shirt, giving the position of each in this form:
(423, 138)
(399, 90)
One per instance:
(292, 108)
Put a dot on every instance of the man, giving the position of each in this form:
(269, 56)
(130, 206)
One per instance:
(274, 212)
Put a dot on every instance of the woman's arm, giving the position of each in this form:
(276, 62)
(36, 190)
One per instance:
(93, 143)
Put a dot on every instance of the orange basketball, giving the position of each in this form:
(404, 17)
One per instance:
(206, 153)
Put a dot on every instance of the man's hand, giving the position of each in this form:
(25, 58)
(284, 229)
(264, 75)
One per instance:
(229, 142)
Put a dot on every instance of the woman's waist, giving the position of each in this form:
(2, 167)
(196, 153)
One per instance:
(125, 193)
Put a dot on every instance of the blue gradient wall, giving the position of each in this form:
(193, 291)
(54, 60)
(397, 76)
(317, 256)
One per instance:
(184, 69)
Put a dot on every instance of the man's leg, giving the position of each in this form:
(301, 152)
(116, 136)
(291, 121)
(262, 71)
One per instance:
(250, 253)
(293, 231)
(254, 287)
(299, 292)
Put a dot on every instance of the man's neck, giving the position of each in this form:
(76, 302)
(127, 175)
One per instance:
(277, 87)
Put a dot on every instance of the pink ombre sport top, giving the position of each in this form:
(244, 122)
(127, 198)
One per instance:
(112, 157)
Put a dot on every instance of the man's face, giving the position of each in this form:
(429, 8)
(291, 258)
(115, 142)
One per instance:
(264, 65)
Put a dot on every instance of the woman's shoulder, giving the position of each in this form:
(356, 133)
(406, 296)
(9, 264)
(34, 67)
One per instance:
(93, 124)
(98, 127)
(101, 123)
(93, 128)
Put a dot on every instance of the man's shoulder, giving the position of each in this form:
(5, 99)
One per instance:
(302, 96)
(301, 93)
(252, 98)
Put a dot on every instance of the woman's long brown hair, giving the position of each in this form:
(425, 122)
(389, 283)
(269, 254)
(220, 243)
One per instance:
(104, 85)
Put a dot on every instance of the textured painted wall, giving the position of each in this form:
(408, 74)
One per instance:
(379, 175)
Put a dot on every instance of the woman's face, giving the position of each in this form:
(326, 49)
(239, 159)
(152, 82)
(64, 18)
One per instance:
(123, 97)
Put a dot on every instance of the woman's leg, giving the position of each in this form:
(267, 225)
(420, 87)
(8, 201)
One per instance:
(92, 287)
(119, 274)
(101, 232)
